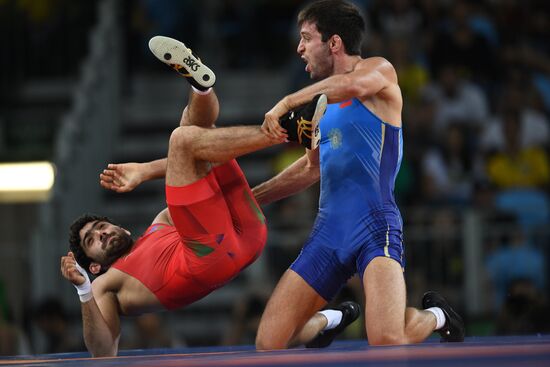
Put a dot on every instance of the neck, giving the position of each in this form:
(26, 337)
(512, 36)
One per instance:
(346, 64)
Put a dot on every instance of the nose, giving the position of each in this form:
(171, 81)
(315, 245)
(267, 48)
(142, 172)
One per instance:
(301, 48)
(103, 235)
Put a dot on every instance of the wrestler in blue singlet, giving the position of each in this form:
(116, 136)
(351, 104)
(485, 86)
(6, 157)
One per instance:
(358, 218)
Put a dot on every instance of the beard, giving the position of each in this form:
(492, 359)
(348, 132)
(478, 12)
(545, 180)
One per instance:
(321, 66)
(118, 245)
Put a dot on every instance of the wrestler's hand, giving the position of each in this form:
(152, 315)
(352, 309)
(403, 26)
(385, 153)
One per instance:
(122, 177)
(69, 270)
(78, 276)
(271, 126)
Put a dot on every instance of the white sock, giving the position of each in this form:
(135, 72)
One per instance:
(439, 316)
(201, 92)
(334, 317)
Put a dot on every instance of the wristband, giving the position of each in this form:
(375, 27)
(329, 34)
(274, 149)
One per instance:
(84, 290)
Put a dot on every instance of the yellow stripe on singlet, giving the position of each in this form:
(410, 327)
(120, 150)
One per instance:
(382, 141)
(386, 252)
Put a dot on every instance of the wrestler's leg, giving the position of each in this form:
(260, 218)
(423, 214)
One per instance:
(202, 109)
(387, 319)
(192, 148)
(288, 318)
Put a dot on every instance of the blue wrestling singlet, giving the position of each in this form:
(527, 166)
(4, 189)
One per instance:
(358, 218)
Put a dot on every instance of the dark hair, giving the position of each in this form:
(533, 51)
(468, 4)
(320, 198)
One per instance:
(74, 238)
(336, 17)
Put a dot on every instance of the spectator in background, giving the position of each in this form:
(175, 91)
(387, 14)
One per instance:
(458, 44)
(516, 166)
(420, 138)
(448, 168)
(514, 259)
(534, 127)
(525, 310)
(52, 320)
(520, 175)
(456, 100)
(412, 74)
(399, 18)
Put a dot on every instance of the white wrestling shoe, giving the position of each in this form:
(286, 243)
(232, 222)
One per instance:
(176, 55)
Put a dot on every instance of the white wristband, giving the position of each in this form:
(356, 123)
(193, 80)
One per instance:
(84, 290)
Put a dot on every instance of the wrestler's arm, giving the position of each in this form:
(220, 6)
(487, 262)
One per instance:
(369, 78)
(124, 177)
(99, 305)
(101, 323)
(301, 174)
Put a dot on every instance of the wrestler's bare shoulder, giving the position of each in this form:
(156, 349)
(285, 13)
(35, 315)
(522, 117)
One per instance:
(133, 297)
(377, 63)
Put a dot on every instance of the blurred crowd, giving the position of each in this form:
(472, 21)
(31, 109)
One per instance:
(475, 76)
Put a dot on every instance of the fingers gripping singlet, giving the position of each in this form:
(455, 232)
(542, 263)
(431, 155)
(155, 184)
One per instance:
(218, 230)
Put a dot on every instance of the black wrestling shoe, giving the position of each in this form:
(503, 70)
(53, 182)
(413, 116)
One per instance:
(350, 313)
(176, 55)
(453, 330)
(302, 123)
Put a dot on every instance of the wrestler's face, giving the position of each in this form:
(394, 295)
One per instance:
(104, 242)
(315, 53)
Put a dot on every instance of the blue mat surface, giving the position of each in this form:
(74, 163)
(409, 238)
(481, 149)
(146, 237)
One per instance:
(475, 351)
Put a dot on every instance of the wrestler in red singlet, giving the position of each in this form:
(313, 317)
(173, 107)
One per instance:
(219, 229)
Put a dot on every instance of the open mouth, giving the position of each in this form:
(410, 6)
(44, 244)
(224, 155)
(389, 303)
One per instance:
(107, 242)
(307, 67)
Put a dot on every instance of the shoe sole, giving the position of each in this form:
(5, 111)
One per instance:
(320, 109)
(174, 53)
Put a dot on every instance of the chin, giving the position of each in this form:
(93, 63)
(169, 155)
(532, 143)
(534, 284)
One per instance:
(316, 75)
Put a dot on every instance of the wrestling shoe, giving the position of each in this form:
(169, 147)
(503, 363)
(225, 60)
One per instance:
(176, 55)
(453, 330)
(302, 123)
(350, 313)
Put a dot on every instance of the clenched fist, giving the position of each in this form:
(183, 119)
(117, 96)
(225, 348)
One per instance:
(70, 271)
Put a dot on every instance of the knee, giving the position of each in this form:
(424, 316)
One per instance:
(184, 137)
(267, 342)
(387, 338)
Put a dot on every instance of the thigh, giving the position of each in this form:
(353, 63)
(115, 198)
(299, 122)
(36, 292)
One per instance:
(385, 301)
(182, 166)
(323, 263)
(199, 208)
(291, 305)
(239, 197)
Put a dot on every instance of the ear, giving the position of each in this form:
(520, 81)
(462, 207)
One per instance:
(127, 232)
(95, 268)
(335, 43)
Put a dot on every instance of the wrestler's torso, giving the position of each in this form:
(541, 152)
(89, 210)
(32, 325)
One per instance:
(164, 271)
(360, 156)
